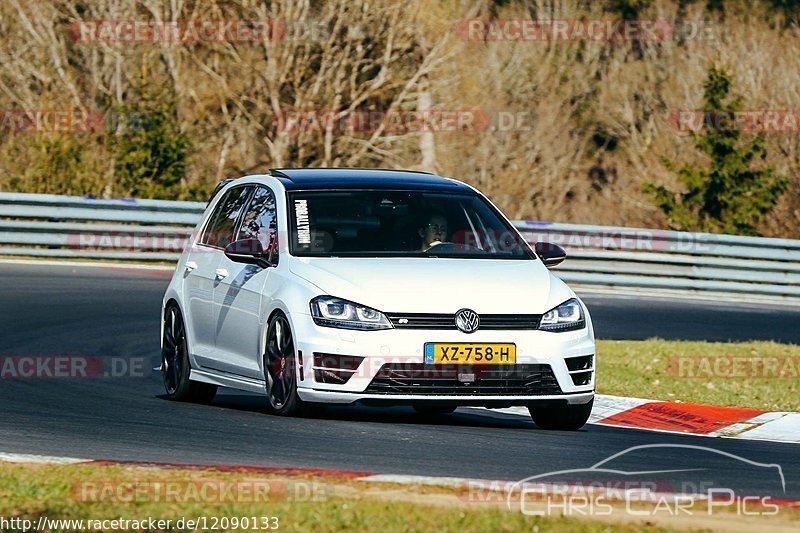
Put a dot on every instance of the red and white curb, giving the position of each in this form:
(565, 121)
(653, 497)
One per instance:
(23, 458)
(694, 419)
(479, 490)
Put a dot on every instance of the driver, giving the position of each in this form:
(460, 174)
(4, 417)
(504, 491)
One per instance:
(433, 232)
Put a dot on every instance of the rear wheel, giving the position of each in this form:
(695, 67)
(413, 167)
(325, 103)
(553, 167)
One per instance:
(564, 417)
(175, 363)
(280, 374)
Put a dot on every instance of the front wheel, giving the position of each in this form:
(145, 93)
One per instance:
(279, 371)
(175, 363)
(568, 417)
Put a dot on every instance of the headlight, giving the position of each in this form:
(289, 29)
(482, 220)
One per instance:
(334, 312)
(566, 317)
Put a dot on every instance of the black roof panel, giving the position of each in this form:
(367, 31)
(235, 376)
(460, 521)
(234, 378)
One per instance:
(348, 178)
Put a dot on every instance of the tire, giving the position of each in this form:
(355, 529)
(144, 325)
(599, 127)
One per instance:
(280, 372)
(175, 366)
(569, 417)
(433, 410)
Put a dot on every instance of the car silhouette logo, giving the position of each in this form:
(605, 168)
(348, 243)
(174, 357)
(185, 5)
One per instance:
(694, 471)
(467, 320)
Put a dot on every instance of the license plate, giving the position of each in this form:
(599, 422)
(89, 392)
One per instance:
(470, 353)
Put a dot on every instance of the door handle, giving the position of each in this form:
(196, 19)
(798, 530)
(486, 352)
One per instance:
(190, 265)
(221, 273)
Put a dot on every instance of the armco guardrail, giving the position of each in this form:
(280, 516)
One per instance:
(673, 261)
(43, 225)
(34, 225)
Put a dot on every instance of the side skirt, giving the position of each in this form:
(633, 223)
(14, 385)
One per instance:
(229, 380)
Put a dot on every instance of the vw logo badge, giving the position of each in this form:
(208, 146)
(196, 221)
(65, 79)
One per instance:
(467, 320)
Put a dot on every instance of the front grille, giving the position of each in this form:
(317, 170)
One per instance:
(448, 321)
(486, 380)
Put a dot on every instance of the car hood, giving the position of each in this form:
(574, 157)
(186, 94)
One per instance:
(436, 285)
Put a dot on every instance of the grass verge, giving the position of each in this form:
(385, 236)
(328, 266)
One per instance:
(91, 492)
(759, 375)
(303, 503)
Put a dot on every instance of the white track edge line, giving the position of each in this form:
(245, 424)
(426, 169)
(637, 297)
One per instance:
(89, 264)
(40, 459)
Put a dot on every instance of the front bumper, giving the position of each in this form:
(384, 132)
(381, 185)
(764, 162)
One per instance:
(324, 396)
(406, 346)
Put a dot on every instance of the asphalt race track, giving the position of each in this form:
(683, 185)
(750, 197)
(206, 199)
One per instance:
(62, 310)
(689, 320)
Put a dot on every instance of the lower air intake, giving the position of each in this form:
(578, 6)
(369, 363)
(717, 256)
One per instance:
(464, 380)
(334, 369)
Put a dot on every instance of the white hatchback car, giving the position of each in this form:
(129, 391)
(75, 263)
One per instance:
(322, 286)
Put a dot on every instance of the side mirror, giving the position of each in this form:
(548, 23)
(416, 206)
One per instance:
(550, 254)
(250, 251)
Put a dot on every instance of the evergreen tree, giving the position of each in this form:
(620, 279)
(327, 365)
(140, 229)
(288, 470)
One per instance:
(728, 196)
(151, 154)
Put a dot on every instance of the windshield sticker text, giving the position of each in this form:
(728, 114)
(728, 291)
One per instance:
(301, 216)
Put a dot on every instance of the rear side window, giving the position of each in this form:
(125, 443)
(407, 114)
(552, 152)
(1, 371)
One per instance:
(261, 217)
(222, 224)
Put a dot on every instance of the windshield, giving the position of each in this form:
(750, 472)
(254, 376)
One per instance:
(400, 224)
